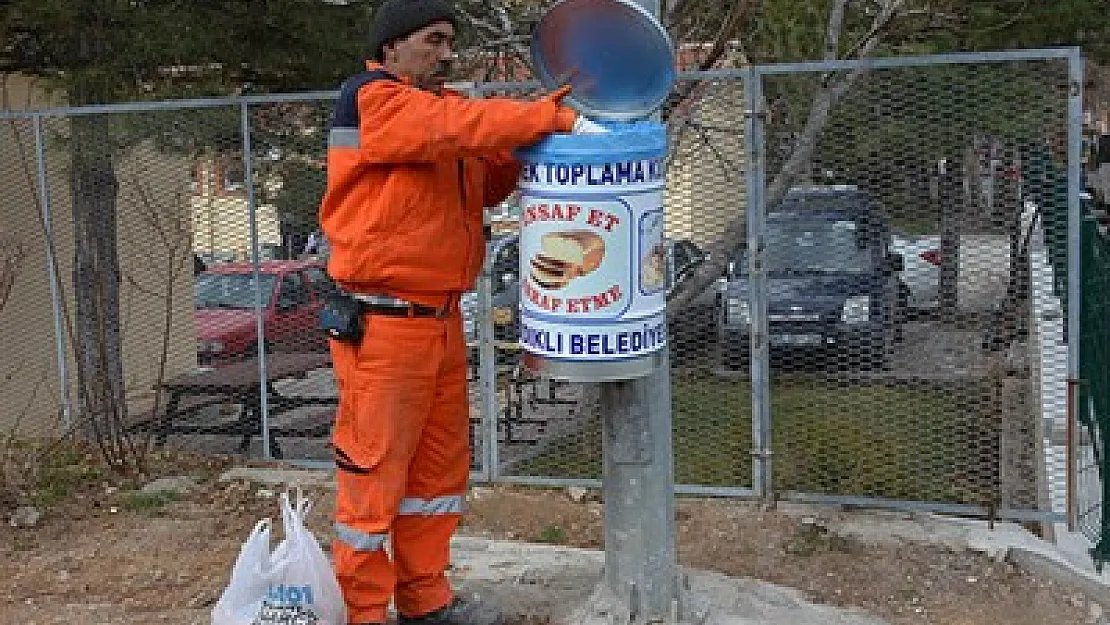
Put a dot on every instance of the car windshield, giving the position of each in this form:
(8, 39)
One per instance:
(230, 290)
(807, 247)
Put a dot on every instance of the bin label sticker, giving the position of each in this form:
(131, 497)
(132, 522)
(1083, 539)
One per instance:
(620, 174)
(575, 258)
(594, 342)
(653, 255)
(593, 261)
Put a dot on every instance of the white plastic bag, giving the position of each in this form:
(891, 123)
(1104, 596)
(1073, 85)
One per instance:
(293, 585)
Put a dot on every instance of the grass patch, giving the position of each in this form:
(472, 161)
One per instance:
(875, 439)
(553, 534)
(45, 474)
(147, 503)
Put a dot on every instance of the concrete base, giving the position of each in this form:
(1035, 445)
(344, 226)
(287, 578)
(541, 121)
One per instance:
(604, 608)
(562, 584)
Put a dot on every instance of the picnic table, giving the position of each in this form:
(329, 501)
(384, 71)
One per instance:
(240, 383)
(522, 390)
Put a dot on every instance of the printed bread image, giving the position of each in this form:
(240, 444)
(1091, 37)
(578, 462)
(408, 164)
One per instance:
(550, 275)
(653, 269)
(581, 248)
(565, 256)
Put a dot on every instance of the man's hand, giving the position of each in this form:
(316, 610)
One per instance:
(558, 95)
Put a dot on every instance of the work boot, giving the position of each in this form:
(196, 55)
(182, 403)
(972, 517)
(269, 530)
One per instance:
(459, 612)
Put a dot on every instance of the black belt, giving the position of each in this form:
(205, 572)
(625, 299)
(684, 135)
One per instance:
(396, 307)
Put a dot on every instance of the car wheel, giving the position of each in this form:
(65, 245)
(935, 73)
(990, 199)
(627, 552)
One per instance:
(883, 350)
(901, 313)
(729, 355)
(252, 351)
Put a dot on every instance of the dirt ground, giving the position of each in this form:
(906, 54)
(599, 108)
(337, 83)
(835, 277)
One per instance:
(104, 554)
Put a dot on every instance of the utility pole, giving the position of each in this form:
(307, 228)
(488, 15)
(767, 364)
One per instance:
(641, 571)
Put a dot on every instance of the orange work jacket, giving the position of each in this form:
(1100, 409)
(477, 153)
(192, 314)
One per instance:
(409, 175)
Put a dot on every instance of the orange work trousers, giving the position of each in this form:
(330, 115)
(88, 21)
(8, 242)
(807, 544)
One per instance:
(402, 449)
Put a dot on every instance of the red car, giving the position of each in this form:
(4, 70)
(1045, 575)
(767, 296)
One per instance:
(293, 293)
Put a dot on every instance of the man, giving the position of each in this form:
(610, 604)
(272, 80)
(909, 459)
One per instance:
(410, 169)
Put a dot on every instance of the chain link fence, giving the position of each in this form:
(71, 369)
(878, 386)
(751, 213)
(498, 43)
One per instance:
(897, 281)
(869, 264)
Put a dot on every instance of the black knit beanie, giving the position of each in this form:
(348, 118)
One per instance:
(397, 19)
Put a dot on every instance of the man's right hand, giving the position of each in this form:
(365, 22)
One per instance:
(558, 95)
(566, 117)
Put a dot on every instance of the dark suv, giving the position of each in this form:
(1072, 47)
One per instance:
(834, 294)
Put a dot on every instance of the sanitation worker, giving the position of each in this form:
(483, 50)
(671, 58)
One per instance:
(411, 167)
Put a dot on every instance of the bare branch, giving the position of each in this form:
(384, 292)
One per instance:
(11, 258)
(827, 95)
(738, 14)
(676, 8)
(499, 33)
(836, 25)
(867, 44)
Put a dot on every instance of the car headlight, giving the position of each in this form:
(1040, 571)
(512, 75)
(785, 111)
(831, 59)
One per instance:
(210, 347)
(856, 309)
(737, 311)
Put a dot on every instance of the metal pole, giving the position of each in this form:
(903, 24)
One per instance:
(638, 481)
(52, 269)
(260, 326)
(1075, 242)
(757, 303)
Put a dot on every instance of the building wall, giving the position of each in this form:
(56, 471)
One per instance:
(28, 371)
(155, 254)
(706, 179)
(221, 214)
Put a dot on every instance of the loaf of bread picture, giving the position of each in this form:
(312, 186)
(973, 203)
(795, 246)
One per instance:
(653, 269)
(549, 273)
(564, 256)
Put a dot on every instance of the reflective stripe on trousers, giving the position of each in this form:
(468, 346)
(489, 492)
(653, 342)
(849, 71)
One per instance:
(410, 506)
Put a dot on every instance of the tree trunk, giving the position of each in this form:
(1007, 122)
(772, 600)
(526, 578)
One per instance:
(96, 281)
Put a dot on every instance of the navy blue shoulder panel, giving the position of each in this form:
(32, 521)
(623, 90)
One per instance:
(346, 106)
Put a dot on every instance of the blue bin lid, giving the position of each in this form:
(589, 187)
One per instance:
(634, 141)
(616, 56)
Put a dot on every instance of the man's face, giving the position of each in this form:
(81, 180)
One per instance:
(424, 56)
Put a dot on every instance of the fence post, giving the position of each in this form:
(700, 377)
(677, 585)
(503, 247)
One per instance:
(762, 480)
(487, 372)
(260, 326)
(52, 268)
(1075, 241)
